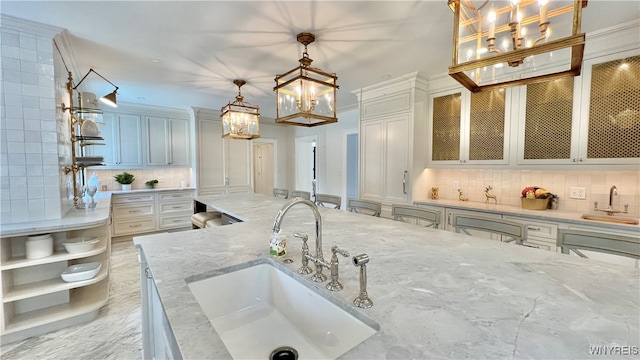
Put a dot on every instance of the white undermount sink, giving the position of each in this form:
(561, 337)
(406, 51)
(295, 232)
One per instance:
(258, 308)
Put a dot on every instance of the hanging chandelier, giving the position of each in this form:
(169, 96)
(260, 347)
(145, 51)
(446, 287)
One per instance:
(499, 43)
(239, 119)
(306, 96)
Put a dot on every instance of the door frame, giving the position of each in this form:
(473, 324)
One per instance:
(304, 139)
(345, 136)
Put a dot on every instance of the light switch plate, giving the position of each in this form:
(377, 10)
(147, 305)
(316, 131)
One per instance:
(577, 193)
(456, 185)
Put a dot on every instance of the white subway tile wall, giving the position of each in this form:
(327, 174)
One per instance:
(167, 177)
(29, 135)
(508, 184)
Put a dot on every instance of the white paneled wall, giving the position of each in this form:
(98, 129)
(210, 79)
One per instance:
(507, 185)
(29, 133)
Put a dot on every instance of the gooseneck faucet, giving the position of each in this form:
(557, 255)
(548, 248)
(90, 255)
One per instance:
(318, 259)
(612, 191)
(610, 210)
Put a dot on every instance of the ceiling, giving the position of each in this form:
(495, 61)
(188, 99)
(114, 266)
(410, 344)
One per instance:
(187, 53)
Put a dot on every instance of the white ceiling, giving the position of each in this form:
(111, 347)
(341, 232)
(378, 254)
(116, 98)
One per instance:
(203, 45)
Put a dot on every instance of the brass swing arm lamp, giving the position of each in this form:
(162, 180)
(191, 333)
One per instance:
(109, 99)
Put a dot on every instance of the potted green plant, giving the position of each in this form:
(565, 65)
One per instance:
(125, 179)
(151, 184)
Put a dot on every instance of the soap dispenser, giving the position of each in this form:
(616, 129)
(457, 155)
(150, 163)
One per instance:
(278, 244)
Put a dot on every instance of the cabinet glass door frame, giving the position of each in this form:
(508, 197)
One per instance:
(465, 130)
(584, 111)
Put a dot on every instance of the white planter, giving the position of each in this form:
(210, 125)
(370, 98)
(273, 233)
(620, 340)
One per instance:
(126, 187)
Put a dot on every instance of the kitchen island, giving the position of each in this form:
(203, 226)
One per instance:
(436, 294)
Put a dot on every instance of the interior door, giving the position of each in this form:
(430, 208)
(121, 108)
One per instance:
(263, 168)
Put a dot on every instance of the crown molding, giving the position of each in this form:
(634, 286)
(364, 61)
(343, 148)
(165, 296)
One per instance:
(63, 42)
(19, 24)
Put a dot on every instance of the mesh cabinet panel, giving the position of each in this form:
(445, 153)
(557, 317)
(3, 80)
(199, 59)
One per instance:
(486, 126)
(614, 110)
(446, 127)
(547, 131)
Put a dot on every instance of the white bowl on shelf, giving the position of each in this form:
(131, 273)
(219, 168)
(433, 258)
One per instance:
(81, 244)
(80, 272)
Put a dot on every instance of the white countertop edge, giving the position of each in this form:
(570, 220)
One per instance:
(74, 219)
(573, 217)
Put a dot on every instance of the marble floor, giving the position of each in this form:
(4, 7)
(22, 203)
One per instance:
(116, 332)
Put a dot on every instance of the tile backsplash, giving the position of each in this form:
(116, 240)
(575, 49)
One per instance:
(507, 185)
(167, 177)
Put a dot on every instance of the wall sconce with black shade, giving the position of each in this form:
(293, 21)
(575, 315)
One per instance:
(500, 43)
(109, 99)
(306, 96)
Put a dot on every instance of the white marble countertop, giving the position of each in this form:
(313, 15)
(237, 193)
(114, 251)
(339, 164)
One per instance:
(437, 294)
(74, 219)
(572, 217)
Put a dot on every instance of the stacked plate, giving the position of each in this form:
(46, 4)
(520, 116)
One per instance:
(84, 160)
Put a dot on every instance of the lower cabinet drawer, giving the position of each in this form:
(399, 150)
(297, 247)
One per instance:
(126, 212)
(537, 229)
(541, 244)
(168, 222)
(132, 227)
(133, 198)
(177, 207)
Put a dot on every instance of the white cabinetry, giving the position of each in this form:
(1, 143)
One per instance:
(392, 130)
(144, 212)
(223, 166)
(35, 299)
(469, 129)
(158, 341)
(540, 234)
(122, 138)
(167, 141)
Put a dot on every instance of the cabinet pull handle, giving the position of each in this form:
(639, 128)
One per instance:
(404, 182)
(133, 198)
(177, 207)
(147, 273)
(177, 220)
(176, 195)
(449, 219)
(134, 211)
(533, 228)
(135, 226)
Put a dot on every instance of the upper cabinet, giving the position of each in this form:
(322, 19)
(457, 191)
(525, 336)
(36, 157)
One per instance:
(122, 137)
(557, 125)
(167, 141)
(592, 119)
(610, 121)
(469, 128)
(137, 136)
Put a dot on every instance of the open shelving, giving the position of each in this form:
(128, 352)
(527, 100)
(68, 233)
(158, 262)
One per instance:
(35, 299)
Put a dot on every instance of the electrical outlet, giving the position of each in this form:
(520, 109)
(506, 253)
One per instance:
(577, 193)
(456, 185)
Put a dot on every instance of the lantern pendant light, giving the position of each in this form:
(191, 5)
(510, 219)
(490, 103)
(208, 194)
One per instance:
(240, 120)
(306, 96)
